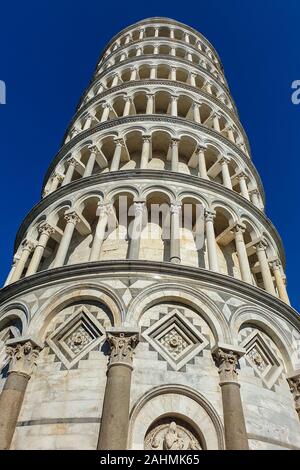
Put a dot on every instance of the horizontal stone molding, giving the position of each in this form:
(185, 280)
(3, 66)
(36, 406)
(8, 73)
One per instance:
(151, 118)
(207, 278)
(138, 174)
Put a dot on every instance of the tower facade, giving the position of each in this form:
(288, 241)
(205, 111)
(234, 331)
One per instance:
(146, 307)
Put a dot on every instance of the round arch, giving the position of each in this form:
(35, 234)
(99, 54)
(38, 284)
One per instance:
(175, 400)
(71, 294)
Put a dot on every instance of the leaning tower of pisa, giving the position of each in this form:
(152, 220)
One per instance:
(146, 306)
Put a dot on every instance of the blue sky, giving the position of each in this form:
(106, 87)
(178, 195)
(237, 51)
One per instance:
(48, 53)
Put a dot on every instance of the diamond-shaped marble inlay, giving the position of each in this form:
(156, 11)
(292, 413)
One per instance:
(175, 338)
(260, 356)
(72, 340)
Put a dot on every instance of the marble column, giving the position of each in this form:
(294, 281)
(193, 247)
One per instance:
(145, 151)
(133, 75)
(174, 154)
(127, 106)
(242, 177)
(139, 51)
(88, 121)
(280, 284)
(103, 211)
(173, 73)
(115, 413)
(175, 210)
(174, 99)
(106, 111)
(153, 72)
(192, 78)
(45, 231)
(23, 356)
(216, 123)
(208, 89)
(115, 80)
(264, 266)
(254, 197)
(115, 164)
(91, 161)
(150, 103)
(202, 171)
(294, 384)
(12, 270)
(57, 178)
(72, 219)
(239, 230)
(225, 172)
(226, 359)
(211, 241)
(72, 163)
(230, 133)
(196, 112)
(189, 56)
(136, 229)
(27, 248)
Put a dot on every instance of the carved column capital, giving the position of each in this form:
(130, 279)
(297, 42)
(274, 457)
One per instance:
(242, 175)
(122, 345)
(146, 138)
(175, 208)
(72, 217)
(261, 245)
(174, 141)
(23, 354)
(224, 159)
(200, 148)
(46, 228)
(227, 359)
(28, 245)
(294, 384)
(103, 209)
(138, 207)
(239, 227)
(210, 215)
(73, 161)
(118, 141)
(93, 148)
(58, 176)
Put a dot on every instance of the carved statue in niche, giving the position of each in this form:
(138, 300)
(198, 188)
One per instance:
(170, 435)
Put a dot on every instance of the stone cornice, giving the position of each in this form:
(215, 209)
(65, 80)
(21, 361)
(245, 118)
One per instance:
(165, 82)
(151, 118)
(208, 278)
(170, 58)
(162, 20)
(155, 175)
(159, 40)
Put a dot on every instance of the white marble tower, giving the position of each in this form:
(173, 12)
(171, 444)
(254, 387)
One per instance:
(146, 306)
